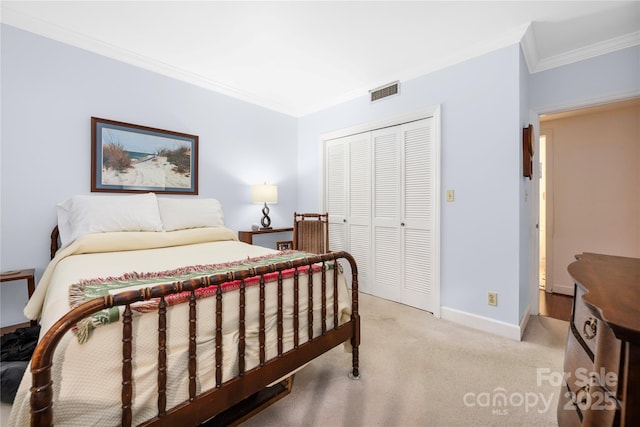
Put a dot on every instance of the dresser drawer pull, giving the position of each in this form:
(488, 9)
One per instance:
(582, 397)
(590, 328)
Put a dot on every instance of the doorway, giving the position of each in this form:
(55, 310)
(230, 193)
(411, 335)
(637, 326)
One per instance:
(588, 194)
(542, 222)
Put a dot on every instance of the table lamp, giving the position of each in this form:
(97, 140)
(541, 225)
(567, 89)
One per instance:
(264, 193)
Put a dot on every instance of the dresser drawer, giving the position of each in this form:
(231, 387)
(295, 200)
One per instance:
(599, 408)
(583, 400)
(599, 339)
(607, 359)
(584, 321)
(591, 406)
(568, 415)
(578, 367)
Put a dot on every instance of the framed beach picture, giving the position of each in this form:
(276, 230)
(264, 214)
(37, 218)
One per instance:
(140, 159)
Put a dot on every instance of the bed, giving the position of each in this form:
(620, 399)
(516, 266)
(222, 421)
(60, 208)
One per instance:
(175, 323)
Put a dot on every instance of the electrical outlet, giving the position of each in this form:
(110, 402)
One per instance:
(492, 298)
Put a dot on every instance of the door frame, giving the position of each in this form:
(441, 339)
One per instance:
(549, 282)
(534, 244)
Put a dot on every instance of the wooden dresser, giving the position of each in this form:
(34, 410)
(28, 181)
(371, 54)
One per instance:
(602, 358)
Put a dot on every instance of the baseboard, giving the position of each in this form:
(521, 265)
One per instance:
(485, 324)
(524, 321)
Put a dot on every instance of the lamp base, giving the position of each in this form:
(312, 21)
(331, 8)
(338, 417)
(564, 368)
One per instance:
(266, 221)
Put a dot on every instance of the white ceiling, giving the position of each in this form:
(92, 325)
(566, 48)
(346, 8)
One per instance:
(299, 57)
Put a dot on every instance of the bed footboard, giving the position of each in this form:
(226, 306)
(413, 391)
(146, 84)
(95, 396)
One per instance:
(203, 405)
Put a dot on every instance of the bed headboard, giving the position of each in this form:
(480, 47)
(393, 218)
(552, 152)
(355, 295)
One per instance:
(55, 241)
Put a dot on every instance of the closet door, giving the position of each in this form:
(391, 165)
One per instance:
(403, 214)
(386, 213)
(381, 197)
(417, 216)
(359, 205)
(336, 193)
(348, 200)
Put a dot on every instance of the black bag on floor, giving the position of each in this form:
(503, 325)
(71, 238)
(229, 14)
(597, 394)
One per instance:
(19, 345)
(16, 348)
(11, 374)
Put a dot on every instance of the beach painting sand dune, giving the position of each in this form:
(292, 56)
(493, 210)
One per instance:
(149, 161)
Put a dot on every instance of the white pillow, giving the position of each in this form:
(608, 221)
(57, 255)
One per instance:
(178, 214)
(80, 215)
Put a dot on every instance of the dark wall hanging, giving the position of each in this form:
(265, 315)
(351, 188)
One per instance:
(527, 152)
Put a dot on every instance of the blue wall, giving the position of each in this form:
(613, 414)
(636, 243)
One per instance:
(604, 78)
(50, 91)
(486, 233)
(527, 202)
(480, 130)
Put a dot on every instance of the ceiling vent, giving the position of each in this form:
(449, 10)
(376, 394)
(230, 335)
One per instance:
(385, 91)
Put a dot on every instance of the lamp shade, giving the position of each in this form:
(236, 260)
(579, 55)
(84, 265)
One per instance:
(264, 193)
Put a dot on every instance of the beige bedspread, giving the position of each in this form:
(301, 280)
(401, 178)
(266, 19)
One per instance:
(87, 376)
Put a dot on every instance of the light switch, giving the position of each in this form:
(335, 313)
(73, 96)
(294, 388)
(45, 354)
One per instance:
(450, 196)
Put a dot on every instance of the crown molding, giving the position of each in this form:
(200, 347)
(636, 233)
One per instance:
(529, 48)
(524, 35)
(587, 52)
(47, 29)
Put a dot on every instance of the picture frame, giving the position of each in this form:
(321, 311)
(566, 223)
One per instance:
(129, 158)
(527, 152)
(284, 246)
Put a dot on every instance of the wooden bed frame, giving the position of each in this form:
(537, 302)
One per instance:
(228, 402)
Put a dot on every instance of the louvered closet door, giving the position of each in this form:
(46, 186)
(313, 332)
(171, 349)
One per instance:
(359, 205)
(381, 195)
(336, 193)
(348, 200)
(386, 213)
(403, 213)
(417, 224)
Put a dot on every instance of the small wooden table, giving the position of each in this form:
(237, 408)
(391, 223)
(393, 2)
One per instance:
(247, 236)
(27, 274)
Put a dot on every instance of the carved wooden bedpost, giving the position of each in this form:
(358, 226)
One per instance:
(42, 362)
(355, 317)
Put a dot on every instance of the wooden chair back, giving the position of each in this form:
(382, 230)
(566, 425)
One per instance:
(311, 232)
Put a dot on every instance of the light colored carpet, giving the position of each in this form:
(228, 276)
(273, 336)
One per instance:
(420, 371)
(5, 409)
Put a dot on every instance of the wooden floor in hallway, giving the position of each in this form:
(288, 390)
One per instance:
(557, 306)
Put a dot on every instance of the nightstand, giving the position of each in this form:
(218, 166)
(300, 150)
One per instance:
(27, 274)
(247, 236)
